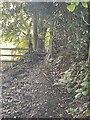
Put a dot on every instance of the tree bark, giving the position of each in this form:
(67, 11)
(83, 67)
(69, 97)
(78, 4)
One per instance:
(42, 32)
(89, 33)
(30, 45)
(89, 54)
(35, 30)
(51, 38)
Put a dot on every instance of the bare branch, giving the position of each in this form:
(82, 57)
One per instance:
(84, 19)
(24, 33)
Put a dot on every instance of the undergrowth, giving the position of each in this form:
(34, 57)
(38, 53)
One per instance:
(76, 82)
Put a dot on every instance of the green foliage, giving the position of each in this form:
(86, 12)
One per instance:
(78, 111)
(17, 26)
(84, 4)
(83, 71)
(72, 6)
(78, 95)
(85, 85)
(76, 79)
(68, 36)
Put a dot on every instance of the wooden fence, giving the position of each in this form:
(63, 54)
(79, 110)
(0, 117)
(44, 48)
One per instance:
(13, 55)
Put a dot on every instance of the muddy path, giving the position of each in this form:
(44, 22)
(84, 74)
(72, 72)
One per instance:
(28, 93)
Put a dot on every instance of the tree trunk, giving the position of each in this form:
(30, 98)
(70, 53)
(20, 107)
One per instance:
(30, 46)
(50, 52)
(35, 30)
(89, 33)
(89, 54)
(42, 32)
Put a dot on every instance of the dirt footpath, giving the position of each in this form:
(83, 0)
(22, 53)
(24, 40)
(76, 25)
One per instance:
(28, 93)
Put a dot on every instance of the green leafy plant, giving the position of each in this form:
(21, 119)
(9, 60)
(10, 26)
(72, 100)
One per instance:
(73, 5)
(83, 91)
(76, 78)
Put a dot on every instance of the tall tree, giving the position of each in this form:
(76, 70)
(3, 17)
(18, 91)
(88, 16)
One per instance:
(89, 32)
(35, 32)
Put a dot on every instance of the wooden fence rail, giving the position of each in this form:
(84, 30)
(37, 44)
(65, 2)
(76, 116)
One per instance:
(14, 48)
(9, 61)
(13, 55)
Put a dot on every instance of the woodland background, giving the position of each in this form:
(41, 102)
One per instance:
(58, 34)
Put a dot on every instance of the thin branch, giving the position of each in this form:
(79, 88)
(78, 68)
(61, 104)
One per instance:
(24, 33)
(84, 19)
